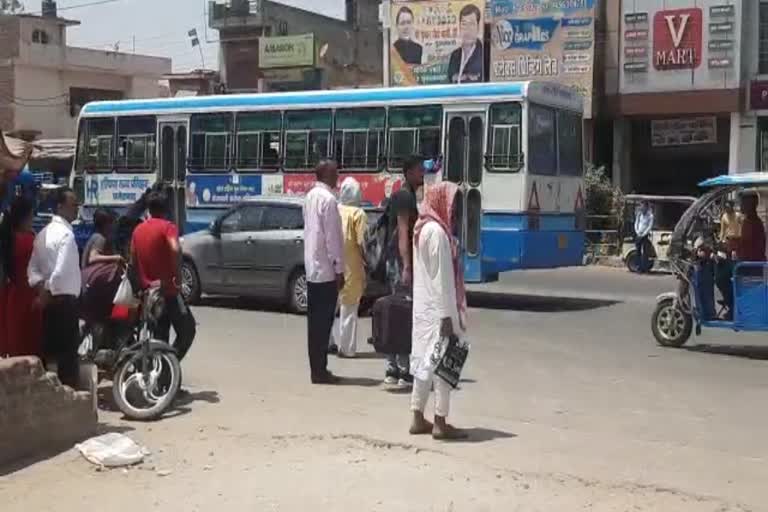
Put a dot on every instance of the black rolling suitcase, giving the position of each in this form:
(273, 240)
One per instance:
(392, 324)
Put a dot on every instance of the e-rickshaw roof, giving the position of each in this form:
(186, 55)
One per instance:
(735, 180)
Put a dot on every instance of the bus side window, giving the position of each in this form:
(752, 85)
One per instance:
(359, 138)
(307, 138)
(136, 142)
(258, 141)
(414, 130)
(211, 142)
(542, 141)
(94, 152)
(569, 143)
(505, 138)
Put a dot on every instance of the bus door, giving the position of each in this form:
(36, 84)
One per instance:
(173, 167)
(464, 166)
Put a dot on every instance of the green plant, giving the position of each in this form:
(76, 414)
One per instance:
(602, 197)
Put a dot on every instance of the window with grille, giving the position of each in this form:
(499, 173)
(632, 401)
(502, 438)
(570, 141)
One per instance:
(258, 141)
(211, 142)
(307, 134)
(505, 138)
(414, 130)
(359, 138)
(763, 35)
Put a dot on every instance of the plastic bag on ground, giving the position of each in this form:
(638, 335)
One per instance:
(112, 450)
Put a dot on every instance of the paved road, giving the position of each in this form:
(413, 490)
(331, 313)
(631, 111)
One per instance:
(571, 405)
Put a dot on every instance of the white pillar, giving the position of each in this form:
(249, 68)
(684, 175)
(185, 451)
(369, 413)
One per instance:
(384, 11)
(742, 151)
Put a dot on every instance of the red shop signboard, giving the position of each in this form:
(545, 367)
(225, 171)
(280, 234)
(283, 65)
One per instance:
(677, 39)
(758, 95)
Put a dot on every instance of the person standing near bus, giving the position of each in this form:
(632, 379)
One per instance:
(324, 266)
(403, 213)
(54, 272)
(354, 223)
(21, 315)
(439, 305)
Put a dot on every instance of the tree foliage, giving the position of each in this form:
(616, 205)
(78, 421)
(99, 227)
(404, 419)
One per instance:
(10, 6)
(602, 198)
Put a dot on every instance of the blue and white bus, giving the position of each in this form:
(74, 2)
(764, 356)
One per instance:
(514, 148)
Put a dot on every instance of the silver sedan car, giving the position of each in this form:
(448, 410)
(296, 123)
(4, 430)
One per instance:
(255, 249)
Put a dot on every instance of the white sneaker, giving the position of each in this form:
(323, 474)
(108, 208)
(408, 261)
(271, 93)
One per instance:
(402, 383)
(390, 381)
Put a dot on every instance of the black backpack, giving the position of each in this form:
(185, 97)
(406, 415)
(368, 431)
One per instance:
(377, 239)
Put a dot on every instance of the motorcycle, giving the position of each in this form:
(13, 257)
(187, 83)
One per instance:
(145, 372)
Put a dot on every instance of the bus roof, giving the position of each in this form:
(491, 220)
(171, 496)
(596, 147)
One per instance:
(546, 93)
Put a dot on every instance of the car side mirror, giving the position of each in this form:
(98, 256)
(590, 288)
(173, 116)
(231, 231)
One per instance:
(215, 228)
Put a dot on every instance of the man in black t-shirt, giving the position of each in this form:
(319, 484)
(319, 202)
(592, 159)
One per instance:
(403, 213)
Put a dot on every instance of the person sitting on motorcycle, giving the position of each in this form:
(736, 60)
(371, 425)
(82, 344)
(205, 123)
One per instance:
(100, 246)
(155, 251)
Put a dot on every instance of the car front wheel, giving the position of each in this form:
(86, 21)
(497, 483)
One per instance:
(297, 292)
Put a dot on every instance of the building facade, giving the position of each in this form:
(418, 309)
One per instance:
(44, 82)
(267, 46)
(676, 75)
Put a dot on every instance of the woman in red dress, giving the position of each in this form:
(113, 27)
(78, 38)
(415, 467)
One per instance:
(22, 316)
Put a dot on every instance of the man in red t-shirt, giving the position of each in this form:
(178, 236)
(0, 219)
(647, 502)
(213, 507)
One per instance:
(155, 253)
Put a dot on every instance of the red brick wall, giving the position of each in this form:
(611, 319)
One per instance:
(7, 91)
(37, 413)
(9, 48)
(10, 30)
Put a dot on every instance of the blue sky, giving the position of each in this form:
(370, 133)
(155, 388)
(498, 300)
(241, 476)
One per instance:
(159, 26)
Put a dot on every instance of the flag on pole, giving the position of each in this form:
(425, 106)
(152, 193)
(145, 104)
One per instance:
(193, 37)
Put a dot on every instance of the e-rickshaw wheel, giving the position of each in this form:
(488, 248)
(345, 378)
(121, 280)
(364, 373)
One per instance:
(671, 326)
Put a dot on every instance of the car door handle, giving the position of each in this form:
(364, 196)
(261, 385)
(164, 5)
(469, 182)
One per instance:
(249, 241)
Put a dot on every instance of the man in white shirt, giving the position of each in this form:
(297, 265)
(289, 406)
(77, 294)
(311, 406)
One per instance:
(324, 265)
(54, 271)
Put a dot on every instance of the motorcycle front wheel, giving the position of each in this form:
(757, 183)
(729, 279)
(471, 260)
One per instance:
(146, 383)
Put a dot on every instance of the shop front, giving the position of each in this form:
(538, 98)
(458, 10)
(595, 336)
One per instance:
(671, 155)
(679, 95)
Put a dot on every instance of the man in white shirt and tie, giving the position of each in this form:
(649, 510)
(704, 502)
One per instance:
(54, 271)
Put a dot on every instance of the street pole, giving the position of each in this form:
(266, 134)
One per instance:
(384, 18)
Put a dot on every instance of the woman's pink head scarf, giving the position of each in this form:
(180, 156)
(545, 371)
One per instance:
(438, 205)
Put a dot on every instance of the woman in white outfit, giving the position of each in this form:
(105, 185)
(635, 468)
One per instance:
(439, 304)
(354, 223)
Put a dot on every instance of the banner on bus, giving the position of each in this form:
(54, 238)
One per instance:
(436, 42)
(376, 188)
(546, 40)
(116, 189)
(221, 190)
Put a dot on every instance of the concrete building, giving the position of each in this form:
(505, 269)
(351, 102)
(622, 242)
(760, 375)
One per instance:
(44, 82)
(676, 77)
(267, 46)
